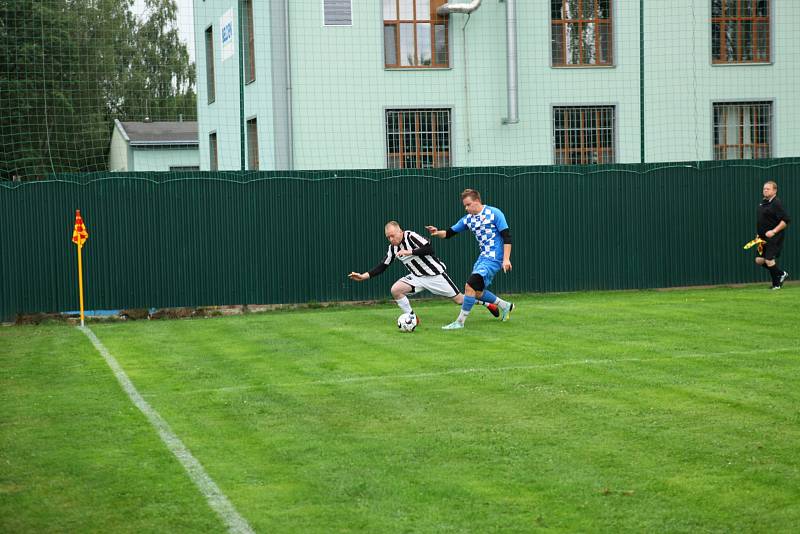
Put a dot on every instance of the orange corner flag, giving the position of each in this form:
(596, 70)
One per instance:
(79, 234)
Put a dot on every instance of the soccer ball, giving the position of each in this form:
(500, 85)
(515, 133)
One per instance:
(407, 322)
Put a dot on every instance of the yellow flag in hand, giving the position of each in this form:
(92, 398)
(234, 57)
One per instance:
(79, 234)
(756, 241)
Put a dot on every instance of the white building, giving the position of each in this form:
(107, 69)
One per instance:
(343, 84)
(154, 146)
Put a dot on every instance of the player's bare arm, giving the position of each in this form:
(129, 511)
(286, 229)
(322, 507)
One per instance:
(358, 277)
(435, 232)
(506, 258)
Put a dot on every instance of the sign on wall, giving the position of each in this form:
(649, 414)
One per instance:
(226, 30)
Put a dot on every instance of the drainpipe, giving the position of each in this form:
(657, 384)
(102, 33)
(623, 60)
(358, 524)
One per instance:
(281, 74)
(239, 32)
(511, 54)
(444, 10)
(511, 61)
(466, 86)
(289, 119)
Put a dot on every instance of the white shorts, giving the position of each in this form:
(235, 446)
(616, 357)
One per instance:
(439, 284)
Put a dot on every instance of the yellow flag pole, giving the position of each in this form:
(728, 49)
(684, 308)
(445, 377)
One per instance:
(80, 279)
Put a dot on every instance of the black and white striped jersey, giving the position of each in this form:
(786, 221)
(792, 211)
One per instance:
(426, 264)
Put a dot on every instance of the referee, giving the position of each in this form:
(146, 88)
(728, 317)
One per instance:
(772, 221)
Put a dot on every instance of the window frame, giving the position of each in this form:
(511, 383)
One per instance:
(251, 131)
(184, 168)
(249, 43)
(611, 36)
(433, 21)
(213, 151)
(770, 102)
(721, 20)
(211, 82)
(614, 131)
(417, 109)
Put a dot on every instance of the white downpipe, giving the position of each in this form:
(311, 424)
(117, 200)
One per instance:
(289, 118)
(466, 9)
(511, 62)
(511, 54)
(466, 86)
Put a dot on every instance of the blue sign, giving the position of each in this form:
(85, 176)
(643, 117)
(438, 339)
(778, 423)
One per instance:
(226, 25)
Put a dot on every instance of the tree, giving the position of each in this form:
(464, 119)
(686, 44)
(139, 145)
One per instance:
(161, 80)
(68, 68)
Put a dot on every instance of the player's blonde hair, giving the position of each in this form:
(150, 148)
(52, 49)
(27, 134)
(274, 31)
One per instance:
(471, 193)
(391, 223)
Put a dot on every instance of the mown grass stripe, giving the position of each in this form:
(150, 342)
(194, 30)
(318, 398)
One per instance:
(216, 499)
(475, 370)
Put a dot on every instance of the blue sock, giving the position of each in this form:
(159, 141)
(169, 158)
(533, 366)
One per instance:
(488, 297)
(469, 302)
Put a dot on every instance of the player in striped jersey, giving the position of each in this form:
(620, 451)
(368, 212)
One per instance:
(425, 270)
(494, 241)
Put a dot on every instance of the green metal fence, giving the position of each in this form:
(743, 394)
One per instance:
(162, 240)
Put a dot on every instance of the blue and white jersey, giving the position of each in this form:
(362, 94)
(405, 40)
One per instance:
(486, 226)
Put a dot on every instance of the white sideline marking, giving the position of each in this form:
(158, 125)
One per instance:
(473, 370)
(216, 499)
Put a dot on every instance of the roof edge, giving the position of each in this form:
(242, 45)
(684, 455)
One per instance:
(122, 131)
(188, 142)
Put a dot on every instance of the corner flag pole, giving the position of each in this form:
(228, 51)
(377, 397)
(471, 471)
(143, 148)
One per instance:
(79, 237)
(80, 279)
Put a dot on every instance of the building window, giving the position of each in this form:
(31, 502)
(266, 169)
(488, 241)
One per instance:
(581, 33)
(337, 12)
(418, 138)
(212, 152)
(414, 36)
(210, 87)
(742, 130)
(583, 135)
(249, 38)
(740, 31)
(252, 144)
(178, 168)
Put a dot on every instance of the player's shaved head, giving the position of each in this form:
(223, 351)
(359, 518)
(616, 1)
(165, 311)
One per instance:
(393, 232)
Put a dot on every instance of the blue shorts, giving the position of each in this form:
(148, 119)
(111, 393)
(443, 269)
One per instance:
(487, 268)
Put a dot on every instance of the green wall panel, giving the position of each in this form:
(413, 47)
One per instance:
(190, 239)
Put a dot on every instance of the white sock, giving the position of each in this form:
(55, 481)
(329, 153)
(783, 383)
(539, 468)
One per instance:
(502, 303)
(462, 316)
(404, 304)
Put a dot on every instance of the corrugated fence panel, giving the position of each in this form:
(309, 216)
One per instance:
(162, 240)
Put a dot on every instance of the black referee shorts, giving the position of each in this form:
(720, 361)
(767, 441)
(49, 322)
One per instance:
(772, 248)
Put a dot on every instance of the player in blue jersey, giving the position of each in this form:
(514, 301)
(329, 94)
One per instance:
(494, 241)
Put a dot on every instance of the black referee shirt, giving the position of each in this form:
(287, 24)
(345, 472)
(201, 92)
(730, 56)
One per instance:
(770, 213)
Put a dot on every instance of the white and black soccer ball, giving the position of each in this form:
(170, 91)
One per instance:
(407, 322)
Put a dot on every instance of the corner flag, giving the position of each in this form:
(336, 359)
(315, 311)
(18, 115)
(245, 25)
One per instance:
(79, 234)
(79, 237)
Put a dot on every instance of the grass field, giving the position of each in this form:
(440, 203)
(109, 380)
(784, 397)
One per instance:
(648, 411)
